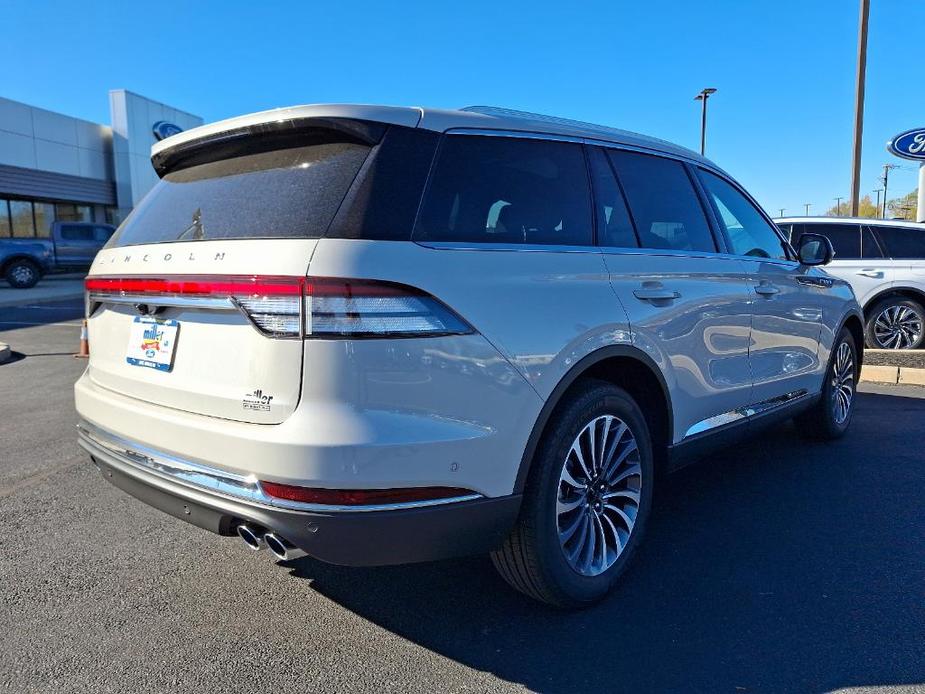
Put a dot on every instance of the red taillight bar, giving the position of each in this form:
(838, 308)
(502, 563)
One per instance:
(230, 285)
(199, 285)
(361, 497)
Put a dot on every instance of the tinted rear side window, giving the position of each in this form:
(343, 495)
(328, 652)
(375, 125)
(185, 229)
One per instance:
(614, 227)
(662, 202)
(76, 232)
(845, 238)
(507, 190)
(902, 243)
(869, 246)
(283, 193)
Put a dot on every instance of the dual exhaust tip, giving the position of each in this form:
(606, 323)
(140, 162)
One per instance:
(257, 538)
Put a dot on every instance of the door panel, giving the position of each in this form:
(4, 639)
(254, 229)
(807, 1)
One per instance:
(698, 332)
(786, 327)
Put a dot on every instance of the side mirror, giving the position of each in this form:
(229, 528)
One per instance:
(815, 249)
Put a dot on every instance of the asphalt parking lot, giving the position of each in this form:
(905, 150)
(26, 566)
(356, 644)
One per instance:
(780, 566)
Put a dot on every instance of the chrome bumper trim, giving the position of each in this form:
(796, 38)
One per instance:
(140, 460)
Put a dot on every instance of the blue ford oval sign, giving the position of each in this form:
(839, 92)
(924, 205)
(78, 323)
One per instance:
(908, 145)
(163, 129)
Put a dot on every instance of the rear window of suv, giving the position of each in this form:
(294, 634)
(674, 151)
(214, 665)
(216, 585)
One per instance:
(487, 189)
(283, 193)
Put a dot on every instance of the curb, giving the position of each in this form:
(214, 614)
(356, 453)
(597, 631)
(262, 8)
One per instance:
(895, 375)
(5, 352)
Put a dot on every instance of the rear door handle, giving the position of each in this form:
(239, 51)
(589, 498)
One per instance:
(656, 294)
(875, 274)
(767, 289)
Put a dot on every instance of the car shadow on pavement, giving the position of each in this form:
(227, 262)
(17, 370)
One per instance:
(781, 565)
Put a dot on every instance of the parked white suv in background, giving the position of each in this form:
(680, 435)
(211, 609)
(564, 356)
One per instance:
(884, 262)
(380, 335)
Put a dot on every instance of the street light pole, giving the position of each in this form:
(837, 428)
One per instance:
(702, 98)
(859, 107)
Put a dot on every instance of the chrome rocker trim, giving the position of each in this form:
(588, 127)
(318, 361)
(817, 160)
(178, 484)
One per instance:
(744, 412)
(138, 461)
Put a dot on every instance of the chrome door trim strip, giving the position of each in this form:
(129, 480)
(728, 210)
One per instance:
(138, 461)
(747, 412)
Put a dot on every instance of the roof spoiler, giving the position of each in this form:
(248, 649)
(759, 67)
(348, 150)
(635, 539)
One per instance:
(263, 137)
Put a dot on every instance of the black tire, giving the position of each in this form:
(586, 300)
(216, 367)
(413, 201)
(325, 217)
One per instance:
(821, 422)
(912, 329)
(532, 560)
(22, 274)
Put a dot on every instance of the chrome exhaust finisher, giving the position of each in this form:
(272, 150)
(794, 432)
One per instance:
(281, 548)
(253, 538)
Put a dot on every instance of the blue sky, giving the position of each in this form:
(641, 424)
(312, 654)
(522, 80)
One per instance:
(781, 121)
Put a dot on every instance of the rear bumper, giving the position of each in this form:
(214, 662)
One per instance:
(346, 537)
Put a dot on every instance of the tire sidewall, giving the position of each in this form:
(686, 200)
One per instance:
(577, 589)
(880, 307)
(828, 391)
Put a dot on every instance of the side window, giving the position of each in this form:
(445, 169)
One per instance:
(662, 202)
(76, 232)
(845, 238)
(102, 233)
(507, 190)
(899, 242)
(748, 231)
(869, 246)
(614, 227)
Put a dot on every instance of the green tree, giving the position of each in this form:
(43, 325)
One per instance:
(904, 207)
(865, 209)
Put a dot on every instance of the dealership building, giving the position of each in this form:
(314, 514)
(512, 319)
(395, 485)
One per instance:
(56, 167)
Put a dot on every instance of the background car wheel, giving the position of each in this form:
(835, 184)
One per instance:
(830, 417)
(896, 323)
(22, 274)
(586, 501)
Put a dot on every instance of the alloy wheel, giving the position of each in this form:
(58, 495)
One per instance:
(598, 495)
(898, 327)
(23, 274)
(843, 383)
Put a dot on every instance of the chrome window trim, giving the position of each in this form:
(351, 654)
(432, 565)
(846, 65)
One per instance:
(746, 412)
(139, 460)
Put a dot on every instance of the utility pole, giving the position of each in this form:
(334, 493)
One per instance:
(859, 106)
(878, 191)
(838, 207)
(886, 179)
(702, 98)
(806, 205)
(782, 211)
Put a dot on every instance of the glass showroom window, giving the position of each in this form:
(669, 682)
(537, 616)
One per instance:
(44, 218)
(68, 212)
(21, 216)
(5, 228)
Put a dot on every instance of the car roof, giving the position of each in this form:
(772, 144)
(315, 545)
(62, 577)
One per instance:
(439, 120)
(850, 220)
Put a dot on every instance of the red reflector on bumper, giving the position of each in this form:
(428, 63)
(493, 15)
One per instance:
(361, 497)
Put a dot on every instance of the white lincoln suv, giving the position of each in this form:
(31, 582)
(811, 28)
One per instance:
(378, 335)
(884, 262)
